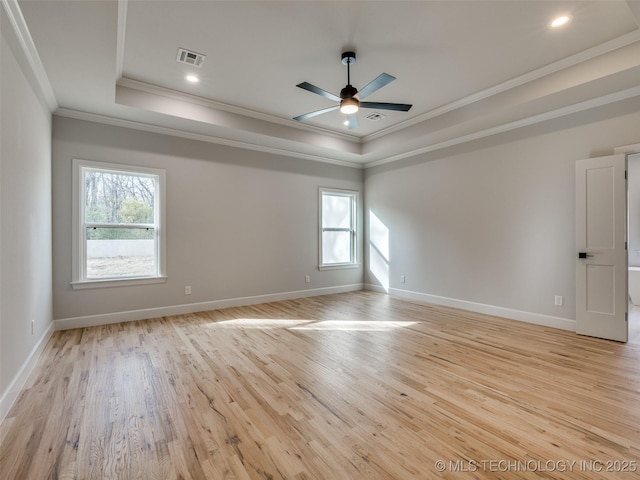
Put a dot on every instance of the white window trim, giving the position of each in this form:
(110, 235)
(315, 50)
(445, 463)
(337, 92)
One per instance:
(77, 238)
(355, 226)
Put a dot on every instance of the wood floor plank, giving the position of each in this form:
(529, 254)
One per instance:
(349, 386)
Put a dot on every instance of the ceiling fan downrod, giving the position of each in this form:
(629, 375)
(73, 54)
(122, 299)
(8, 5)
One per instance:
(349, 91)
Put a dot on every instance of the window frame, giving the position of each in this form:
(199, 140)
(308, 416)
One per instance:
(78, 243)
(354, 195)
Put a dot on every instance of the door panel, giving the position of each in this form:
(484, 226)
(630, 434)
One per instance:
(600, 211)
(601, 275)
(600, 289)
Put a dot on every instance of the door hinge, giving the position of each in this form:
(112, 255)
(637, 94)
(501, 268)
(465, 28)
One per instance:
(625, 174)
(625, 245)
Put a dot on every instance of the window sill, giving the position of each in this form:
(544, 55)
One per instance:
(338, 266)
(118, 282)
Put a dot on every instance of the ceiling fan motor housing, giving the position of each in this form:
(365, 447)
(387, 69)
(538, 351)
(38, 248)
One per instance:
(348, 92)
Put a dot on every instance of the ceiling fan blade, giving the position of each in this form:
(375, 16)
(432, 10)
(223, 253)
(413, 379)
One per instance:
(353, 121)
(316, 113)
(376, 84)
(313, 89)
(400, 107)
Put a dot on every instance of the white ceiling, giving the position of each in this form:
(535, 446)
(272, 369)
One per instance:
(470, 68)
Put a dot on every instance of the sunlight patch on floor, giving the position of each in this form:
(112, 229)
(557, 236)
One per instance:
(258, 323)
(353, 325)
(299, 324)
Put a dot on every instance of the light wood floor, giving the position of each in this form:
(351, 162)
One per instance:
(349, 386)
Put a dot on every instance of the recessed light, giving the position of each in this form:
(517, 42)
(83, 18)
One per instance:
(559, 21)
(192, 79)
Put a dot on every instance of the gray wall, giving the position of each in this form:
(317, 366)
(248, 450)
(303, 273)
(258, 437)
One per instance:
(492, 222)
(239, 223)
(25, 214)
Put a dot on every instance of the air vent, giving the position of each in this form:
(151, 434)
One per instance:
(190, 58)
(374, 117)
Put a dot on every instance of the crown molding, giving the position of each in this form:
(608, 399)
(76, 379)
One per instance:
(585, 55)
(546, 116)
(185, 97)
(119, 122)
(21, 31)
(123, 6)
(542, 117)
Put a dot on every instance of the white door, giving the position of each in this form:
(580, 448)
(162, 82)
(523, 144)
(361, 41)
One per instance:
(601, 263)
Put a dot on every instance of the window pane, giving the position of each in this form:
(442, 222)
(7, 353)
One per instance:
(118, 197)
(336, 211)
(120, 252)
(336, 247)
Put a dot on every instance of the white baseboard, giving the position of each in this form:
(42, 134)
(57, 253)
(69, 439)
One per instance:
(17, 384)
(522, 316)
(375, 288)
(128, 316)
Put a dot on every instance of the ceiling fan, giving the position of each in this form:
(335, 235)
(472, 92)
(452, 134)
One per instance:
(350, 99)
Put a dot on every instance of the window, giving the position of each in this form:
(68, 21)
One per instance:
(118, 234)
(338, 234)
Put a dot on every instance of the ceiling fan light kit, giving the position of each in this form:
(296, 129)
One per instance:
(350, 99)
(349, 106)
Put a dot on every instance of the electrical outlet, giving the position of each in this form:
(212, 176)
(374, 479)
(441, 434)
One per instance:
(187, 290)
(403, 279)
(307, 278)
(559, 300)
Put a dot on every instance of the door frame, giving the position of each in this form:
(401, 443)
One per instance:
(629, 151)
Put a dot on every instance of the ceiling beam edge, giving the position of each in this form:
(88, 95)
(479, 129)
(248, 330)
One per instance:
(215, 105)
(555, 67)
(542, 117)
(634, 6)
(146, 127)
